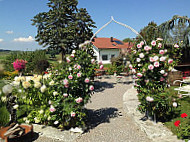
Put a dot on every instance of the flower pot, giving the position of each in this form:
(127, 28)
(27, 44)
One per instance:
(25, 137)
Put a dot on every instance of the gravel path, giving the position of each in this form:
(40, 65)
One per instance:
(107, 122)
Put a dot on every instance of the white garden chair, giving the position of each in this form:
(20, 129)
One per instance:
(185, 88)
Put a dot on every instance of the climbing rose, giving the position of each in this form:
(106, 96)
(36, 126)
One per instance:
(87, 80)
(162, 71)
(139, 45)
(183, 115)
(130, 66)
(73, 114)
(176, 46)
(52, 109)
(149, 99)
(165, 74)
(92, 61)
(151, 59)
(170, 61)
(161, 52)
(78, 74)
(79, 100)
(176, 123)
(162, 79)
(101, 67)
(65, 82)
(142, 43)
(159, 45)
(79, 67)
(156, 58)
(156, 64)
(68, 60)
(65, 94)
(174, 104)
(139, 74)
(162, 58)
(153, 43)
(147, 48)
(70, 77)
(91, 87)
(150, 67)
(141, 55)
(138, 59)
(72, 55)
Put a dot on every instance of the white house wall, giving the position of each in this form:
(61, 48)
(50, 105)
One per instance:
(108, 52)
(96, 53)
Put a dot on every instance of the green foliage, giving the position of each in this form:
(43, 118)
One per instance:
(42, 65)
(32, 57)
(117, 64)
(4, 117)
(64, 26)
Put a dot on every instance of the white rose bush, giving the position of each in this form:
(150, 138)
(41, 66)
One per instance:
(57, 98)
(150, 66)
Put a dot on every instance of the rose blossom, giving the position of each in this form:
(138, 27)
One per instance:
(133, 71)
(139, 45)
(79, 67)
(159, 45)
(101, 67)
(153, 43)
(138, 59)
(139, 74)
(176, 46)
(68, 60)
(174, 104)
(87, 80)
(170, 61)
(130, 66)
(79, 100)
(70, 76)
(100, 63)
(92, 61)
(149, 99)
(156, 64)
(65, 94)
(161, 52)
(26, 84)
(150, 67)
(43, 89)
(162, 58)
(37, 85)
(56, 122)
(73, 114)
(52, 109)
(147, 48)
(91, 87)
(66, 85)
(72, 55)
(78, 74)
(51, 83)
(165, 50)
(162, 71)
(162, 79)
(73, 52)
(165, 74)
(65, 82)
(142, 43)
(141, 55)
(151, 59)
(156, 58)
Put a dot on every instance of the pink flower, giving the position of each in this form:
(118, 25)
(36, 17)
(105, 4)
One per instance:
(130, 66)
(162, 71)
(162, 58)
(149, 99)
(70, 76)
(150, 67)
(19, 64)
(87, 80)
(66, 85)
(165, 74)
(142, 43)
(139, 45)
(65, 81)
(161, 52)
(78, 74)
(151, 59)
(156, 58)
(100, 63)
(176, 46)
(52, 109)
(139, 74)
(153, 43)
(79, 100)
(141, 55)
(170, 61)
(65, 94)
(147, 48)
(79, 67)
(159, 45)
(68, 60)
(138, 59)
(92, 61)
(91, 87)
(162, 79)
(133, 71)
(101, 67)
(72, 55)
(156, 64)
(73, 114)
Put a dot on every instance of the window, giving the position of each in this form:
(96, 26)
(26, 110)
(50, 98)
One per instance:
(104, 57)
(113, 55)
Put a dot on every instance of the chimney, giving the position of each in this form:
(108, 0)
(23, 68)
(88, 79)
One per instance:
(93, 40)
(111, 39)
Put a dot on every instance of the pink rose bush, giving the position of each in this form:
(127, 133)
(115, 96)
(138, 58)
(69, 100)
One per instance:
(60, 94)
(19, 64)
(150, 65)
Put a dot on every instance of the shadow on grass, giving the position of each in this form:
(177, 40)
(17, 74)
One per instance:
(97, 117)
(101, 86)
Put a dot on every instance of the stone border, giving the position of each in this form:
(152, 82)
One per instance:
(157, 132)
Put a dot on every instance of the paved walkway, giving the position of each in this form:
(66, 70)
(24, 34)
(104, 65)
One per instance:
(107, 122)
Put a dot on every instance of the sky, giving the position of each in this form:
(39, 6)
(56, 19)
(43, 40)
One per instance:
(17, 33)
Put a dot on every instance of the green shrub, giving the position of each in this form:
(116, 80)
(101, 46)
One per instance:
(4, 116)
(42, 65)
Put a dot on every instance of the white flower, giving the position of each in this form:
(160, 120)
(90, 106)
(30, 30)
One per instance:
(49, 118)
(60, 61)
(26, 84)
(28, 78)
(41, 111)
(141, 55)
(56, 122)
(156, 58)
(27, 121)
(16, 83)
(37, 85)
(15, 106)
(3, 98)
(7, 89)
(133, 71)
(149, 99)
(153, 43)
(70, 69)
(43, 89)
(174, 104)
(25, 118)
(73, 52)
(138, 59)
(162, 71)
(55, 93)
(51, 83)
(19, 90)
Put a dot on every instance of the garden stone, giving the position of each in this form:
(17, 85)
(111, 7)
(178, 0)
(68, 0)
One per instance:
(155, 131)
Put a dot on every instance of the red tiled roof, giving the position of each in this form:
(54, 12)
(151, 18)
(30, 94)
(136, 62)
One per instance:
(107, 44)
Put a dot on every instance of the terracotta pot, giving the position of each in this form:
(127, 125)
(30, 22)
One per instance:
(27, 136)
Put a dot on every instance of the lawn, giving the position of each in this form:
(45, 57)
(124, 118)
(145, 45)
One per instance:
(3, 56)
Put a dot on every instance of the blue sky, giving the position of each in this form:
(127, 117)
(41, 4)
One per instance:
(17, 33)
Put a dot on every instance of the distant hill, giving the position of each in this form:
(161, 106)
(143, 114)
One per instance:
(3, 50)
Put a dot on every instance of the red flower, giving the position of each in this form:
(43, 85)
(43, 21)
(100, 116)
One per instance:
(183, 115)
(176, 123)
(46, 72)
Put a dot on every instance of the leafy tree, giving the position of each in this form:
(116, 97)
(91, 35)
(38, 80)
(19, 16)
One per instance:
(129, 40)
(64, 26)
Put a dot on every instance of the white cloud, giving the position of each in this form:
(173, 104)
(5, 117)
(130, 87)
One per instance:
(1, 40)
(9, 32)
(23, 39)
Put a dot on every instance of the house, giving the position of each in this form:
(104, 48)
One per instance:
(106, 48)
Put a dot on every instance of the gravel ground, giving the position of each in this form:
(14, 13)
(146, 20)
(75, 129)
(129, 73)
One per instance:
(108, 122)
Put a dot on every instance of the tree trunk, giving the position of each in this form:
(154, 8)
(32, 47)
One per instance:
(63, 54)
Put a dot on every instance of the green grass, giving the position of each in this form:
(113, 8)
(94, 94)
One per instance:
(184, 107)
(3, 56)
(107, 65)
